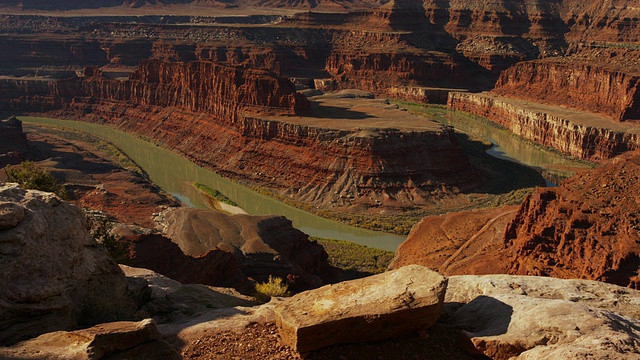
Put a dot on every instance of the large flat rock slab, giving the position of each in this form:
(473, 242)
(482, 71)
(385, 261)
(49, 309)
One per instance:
(387, 305)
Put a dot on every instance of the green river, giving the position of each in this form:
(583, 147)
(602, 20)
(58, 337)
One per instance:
(175, 174)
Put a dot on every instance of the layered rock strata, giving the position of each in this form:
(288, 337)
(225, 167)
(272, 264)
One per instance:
(575, 133)
(603, 85)
(585, 228)
(193, 108)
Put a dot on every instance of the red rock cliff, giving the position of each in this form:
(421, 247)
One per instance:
(599, 86)
(198, 86)
(589, 227)
(208, 113)
(596, 139)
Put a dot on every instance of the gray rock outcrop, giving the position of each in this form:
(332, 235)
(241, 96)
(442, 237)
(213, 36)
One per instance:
(382, 306)
(526, 317)
(54, 276)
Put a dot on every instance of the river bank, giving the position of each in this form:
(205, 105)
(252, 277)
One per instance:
(176, 175)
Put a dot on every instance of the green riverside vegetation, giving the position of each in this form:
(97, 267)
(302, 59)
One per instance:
(357, 260)
(108, 148)
(215, 194)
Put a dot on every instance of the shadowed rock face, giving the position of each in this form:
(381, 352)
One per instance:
(262, 245)
(214, 267)
(13, 141)
(528, 317)
(54, 275)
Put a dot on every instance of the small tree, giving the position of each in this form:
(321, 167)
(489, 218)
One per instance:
(32, 177)
(273, 287)
(100, 230)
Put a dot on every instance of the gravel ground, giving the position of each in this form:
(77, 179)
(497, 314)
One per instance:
(261, 341)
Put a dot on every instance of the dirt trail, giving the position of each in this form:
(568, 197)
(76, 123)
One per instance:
(472, 240)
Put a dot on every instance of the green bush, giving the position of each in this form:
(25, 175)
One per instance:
(100, 230)
(32, 177)
(273, 287)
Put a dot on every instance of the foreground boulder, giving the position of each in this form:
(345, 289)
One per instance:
(523, 317)
(117, 340)
(387, 305)
(54, 276)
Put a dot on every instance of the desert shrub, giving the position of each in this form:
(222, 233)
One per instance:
(32, 177)
(273, 287)
(100, 230)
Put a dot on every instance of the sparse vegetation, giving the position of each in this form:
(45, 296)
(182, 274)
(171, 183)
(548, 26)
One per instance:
(358, 260)
(31, 177)
(274, 286)
(100, 229)
(215, 194)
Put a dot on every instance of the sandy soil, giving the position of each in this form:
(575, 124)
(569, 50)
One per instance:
(350, 109)
(261, 341)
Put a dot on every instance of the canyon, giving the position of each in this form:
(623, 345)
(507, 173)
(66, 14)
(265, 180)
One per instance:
(342, 152)
(314, 104)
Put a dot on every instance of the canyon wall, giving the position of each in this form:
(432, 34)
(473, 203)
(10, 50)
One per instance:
(198, 86)
(218, 117)
(609, 88)
(548, 129)
(586, 228)
(433, 43)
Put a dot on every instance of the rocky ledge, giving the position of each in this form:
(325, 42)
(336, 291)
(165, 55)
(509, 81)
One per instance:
(572, 132)
(603, 81)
